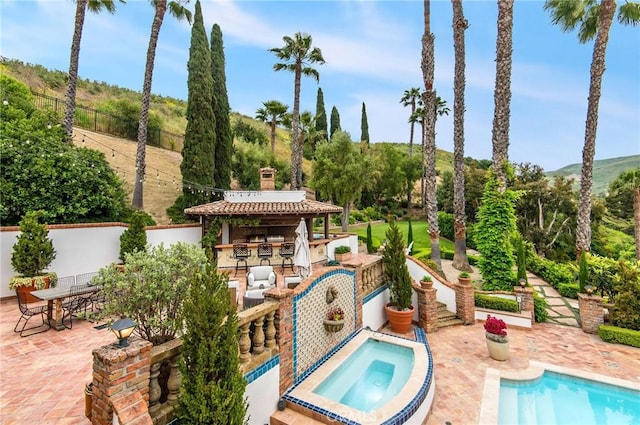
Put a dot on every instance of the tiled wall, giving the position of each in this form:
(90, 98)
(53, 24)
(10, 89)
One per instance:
(311, 340)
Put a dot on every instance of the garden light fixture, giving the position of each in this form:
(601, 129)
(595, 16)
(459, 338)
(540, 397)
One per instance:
(123, 328)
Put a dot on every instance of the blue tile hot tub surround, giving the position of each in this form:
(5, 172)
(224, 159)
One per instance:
(398, 418)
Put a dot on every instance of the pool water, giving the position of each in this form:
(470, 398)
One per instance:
(370, 377)
(556, 398)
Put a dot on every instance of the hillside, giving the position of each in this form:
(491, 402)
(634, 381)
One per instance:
(604, 172)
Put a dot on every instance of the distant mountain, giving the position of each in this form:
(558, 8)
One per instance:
(604, 172)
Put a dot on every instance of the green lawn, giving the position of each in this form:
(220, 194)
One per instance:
(421, 241)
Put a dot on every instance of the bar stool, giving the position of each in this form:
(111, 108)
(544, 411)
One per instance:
(241, 252)
(265, 252)
(286, 251)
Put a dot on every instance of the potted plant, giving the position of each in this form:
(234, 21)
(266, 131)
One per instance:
(464, 278)
(496, 336)
(426, 282)
(334, 320)
(399, 310)
(342, 253)
(32, 254)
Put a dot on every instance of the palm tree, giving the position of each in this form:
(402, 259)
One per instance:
(297, 56)
(594, 20)
(273, 113)
(429, 140)
(95, 6)
(502, 93)
(411, 97)
(179, 11)
(460, 24)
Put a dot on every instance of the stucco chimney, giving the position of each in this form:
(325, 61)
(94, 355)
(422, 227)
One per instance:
(267, 178)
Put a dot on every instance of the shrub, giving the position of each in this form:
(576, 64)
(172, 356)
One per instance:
(602, 272)
(445, 223)
(616, 335)
(569, 290)
(134, 238)
(370, 249)
(539, 308)
(626, 310)
(342, 249)
(395, 267)
(151, 287)
(552, 273)
(212, 386)
(495, 303)
(33, 252)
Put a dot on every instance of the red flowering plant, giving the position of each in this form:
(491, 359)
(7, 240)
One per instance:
(496, 329)
(335, 313)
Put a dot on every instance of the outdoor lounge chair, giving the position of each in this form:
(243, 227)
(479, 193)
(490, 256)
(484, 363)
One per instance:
(261, 277)
(27, 313)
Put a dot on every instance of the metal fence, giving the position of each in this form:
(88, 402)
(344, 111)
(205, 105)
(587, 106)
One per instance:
(100, 122)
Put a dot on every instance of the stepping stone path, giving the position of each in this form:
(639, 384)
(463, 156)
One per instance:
(561, 310)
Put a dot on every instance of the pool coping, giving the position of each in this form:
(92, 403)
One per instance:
(489, 408)
(403, 405)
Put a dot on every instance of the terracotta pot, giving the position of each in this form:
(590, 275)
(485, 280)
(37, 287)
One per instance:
(426, 284)
(498, 350)
(464, 280)
(333, 325)
(400, 321)
(27, 290)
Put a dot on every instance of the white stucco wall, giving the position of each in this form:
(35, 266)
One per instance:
(262, 395)
(87, 248)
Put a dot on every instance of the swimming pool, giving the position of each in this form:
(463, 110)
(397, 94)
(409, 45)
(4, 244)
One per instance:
(355, 386)
(550, 394)
(545, 400)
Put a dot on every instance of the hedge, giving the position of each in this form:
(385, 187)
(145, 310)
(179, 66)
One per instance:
(569, 290)
(496, 303)
(616, 335)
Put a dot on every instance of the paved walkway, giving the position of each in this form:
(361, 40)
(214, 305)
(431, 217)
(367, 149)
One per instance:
(561, 310)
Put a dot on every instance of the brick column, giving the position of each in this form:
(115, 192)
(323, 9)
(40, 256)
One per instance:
(284, 334)
(465, 303)
(591, 312)
(117, 373)
(427, 308)
(526, 294)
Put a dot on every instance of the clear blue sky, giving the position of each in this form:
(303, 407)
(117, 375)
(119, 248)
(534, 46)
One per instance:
(372, 50)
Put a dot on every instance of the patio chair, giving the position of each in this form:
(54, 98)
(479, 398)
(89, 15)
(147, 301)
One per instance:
(27, 312)
(75, 303)
(287, 250)
(265, 252)
(241, 252)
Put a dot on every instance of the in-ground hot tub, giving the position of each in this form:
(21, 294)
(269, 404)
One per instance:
(374, 378)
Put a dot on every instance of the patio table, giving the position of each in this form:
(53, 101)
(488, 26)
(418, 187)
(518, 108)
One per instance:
(58, 294)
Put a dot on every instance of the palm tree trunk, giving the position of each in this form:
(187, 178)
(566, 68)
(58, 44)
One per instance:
(583, 231)
(502, 99)
(70, 97)
(273, 136)
(636, 219)
(429, 96)
(295, 128)
(460, 260)
(161, 8)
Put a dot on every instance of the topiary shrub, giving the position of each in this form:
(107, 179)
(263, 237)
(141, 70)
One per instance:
(33, 252)
(134, 238)
(370, 249)
(342, 249)
(395, 267)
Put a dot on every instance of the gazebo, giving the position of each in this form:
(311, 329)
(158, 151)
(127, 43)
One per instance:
(265, 216)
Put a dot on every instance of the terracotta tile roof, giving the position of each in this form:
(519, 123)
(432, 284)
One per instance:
(224, 207)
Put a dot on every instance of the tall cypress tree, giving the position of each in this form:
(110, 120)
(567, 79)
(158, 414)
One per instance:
(198, 153)
(364, 125)
(335, 121)
(321, 115)
(224, 139)
(212, 388)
